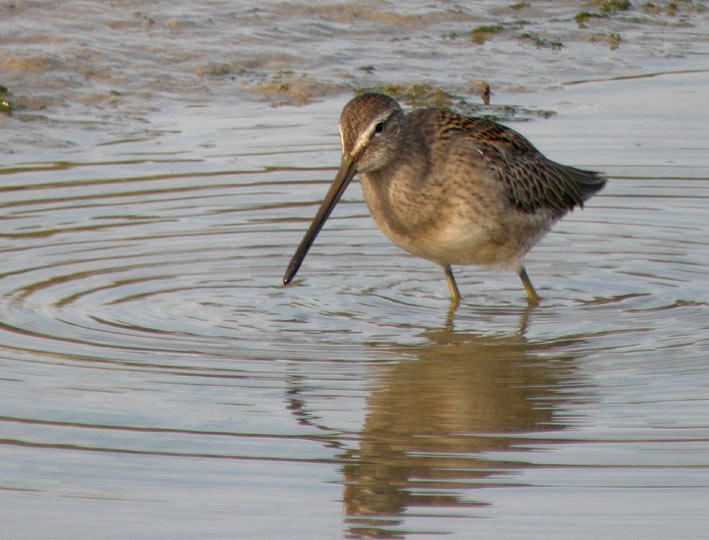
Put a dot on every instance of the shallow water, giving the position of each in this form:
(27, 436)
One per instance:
(157, 380)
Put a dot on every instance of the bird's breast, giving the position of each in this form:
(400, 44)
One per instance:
(452, 229)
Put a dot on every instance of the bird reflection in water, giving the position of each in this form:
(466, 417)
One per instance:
(433, 419)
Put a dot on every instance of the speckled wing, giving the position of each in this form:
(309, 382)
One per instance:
(533, 181)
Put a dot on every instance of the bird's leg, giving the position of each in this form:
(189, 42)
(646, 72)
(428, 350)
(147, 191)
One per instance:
(452, 287)
(532, 296)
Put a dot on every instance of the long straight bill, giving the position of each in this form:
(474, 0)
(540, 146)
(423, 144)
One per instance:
(337, 188)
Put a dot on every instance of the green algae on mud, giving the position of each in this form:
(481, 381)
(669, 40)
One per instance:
(415, 95)
(611, 38)
(427, 95)
(539, 41)
(479, 34)
(5, 106)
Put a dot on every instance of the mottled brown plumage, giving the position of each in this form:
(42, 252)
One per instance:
(450, 188)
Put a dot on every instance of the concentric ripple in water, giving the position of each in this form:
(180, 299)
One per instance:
(152, 362)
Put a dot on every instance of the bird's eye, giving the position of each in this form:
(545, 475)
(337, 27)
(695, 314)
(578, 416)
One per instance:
(379, 127)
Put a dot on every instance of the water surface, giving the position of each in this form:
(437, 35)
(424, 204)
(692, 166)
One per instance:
(157, 380)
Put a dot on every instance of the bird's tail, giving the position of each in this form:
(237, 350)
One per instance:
(588, 182)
